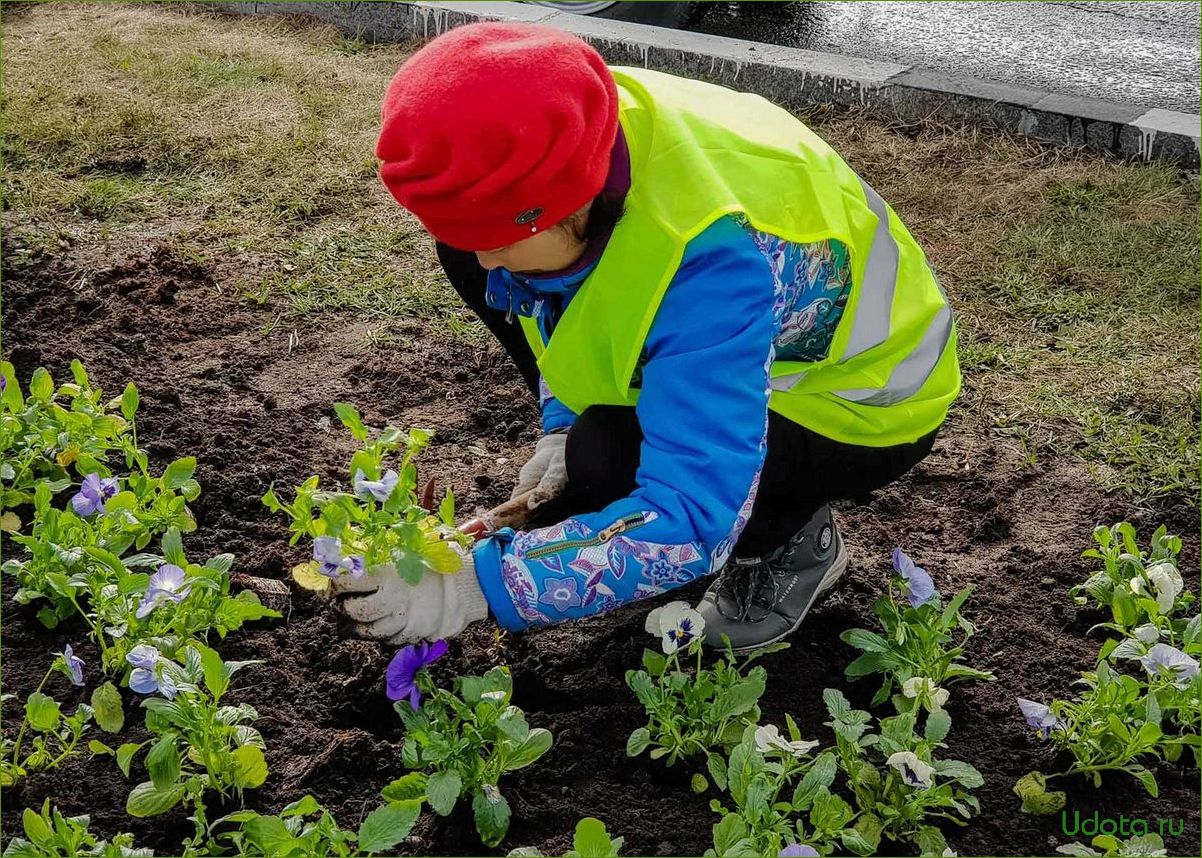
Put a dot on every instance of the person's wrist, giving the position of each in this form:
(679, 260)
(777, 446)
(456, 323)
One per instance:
(467, 589)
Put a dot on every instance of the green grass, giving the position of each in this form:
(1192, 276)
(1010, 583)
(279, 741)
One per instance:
(1074, 277)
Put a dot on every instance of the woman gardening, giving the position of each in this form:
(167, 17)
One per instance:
(725, 326)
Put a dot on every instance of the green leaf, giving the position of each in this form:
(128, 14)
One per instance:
(1032, 789)
(830, 812)
(442, 791)
(654, 662)
(179, 472)
(1145, 777)
(216, 673)
(698, 783)
(638, 742)
(270, 835)
(173, 548)
(820, 776)
(865, 640)
(870, 662)
(937, 726)
(730, 836)
(130, 401)
(36, 830)
(446, 509)
(410, 787)
(967, 775)
(492, 815)
(125, 755)
(41, 385)
(145, 800)
(43, 713)
(388, 825)
(349, 415)
(740, 697)
(250, 767)
(163, 763)
(98, 748)
(592, 840)
(536, 744)
(106, 702)
(717, 770)
(930, 842)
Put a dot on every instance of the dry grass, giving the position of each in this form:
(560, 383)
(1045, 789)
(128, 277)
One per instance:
(249, 141)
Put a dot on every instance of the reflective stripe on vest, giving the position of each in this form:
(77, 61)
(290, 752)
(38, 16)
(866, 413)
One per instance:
(870, 325)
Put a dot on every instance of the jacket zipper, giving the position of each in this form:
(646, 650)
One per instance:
(622, 525)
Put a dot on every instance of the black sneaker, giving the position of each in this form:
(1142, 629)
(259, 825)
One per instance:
(760, 600)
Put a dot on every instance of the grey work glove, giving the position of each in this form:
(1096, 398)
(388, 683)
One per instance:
(546, 471)
(382, 606)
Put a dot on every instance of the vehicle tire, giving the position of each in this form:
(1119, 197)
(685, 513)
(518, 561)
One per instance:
(655, 13)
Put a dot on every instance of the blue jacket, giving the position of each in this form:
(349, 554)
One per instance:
(739, 299)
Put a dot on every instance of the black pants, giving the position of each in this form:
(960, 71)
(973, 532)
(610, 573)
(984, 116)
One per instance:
(802, 470)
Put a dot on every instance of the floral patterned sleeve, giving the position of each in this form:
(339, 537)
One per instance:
(703, 409)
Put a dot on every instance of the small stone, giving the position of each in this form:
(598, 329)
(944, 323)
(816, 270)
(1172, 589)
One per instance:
(1047, 582)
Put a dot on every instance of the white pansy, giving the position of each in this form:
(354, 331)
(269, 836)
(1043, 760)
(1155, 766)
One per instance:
(768, 738)
(914, 771)
(925, 692)
(1166, 584)
(676, 625)
(1147, 633)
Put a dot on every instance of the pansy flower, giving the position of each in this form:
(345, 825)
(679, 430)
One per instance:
(400, 680)
(768, 738)
(166, 585)
(919, 584)
(1165, 658)
(150, 673)
(927, 693)
(93, 493)
(72, 665)
(798, 850)
(1166, 584)
(1039, 716)
(327, 551)
(676, 625)
(380, 489)
(914, 772)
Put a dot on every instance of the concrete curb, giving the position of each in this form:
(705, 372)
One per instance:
(798, 78)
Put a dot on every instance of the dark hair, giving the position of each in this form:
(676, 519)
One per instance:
(603, 215)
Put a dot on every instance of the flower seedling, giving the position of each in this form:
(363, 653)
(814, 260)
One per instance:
(781, 796)
(55, 735)
(1110, 727)
(74, 551)
(197, 744)
(922, 647)
(49, 833)
(52, 431)
(304, 828)
(900, 788)
(591, 840)
(1140, 589)
(693, 711)
(1107, 845)
(379, 526)
(461, 742)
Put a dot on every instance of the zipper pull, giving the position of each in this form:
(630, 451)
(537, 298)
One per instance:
(509, 313)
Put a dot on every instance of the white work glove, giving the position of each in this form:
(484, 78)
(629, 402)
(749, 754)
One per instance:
(381, 606)
(545, 471)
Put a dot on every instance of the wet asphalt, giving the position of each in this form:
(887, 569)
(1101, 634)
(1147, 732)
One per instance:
(1144, 53)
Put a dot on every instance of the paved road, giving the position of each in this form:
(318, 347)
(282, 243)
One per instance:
(1143, 53)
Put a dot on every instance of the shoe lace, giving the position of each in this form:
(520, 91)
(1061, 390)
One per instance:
(749, 585)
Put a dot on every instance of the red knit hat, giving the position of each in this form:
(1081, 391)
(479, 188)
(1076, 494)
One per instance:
(494, 131)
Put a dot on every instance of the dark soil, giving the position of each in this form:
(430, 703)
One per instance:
(220, 381)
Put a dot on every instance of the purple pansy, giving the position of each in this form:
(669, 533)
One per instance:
(798, 850)
(149, 674)
(921, 587)
(327, 551)
(73, 664)
(93, 493)
(400, 680)
(1039, 716)
(1163, 657)
(380, 489)
(166, 585)
(561, 594)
